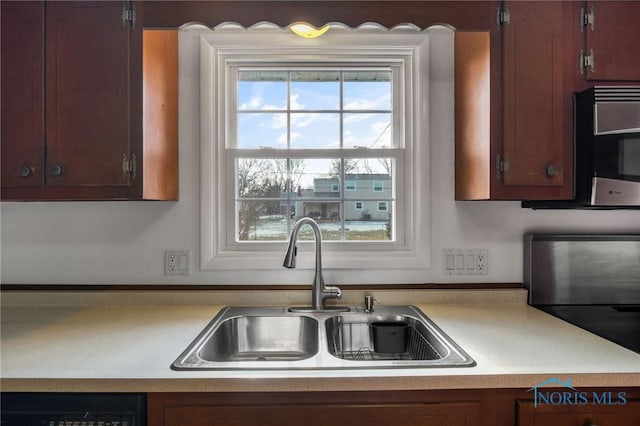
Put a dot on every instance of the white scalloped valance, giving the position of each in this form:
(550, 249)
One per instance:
(335, 26)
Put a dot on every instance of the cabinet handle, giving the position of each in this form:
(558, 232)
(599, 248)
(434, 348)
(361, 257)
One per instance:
(26, 171)
(552, 170)
(55, 170)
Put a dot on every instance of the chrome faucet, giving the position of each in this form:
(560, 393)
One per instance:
(319, 291)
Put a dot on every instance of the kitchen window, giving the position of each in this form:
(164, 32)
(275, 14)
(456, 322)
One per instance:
(294, 127)
(300, 132)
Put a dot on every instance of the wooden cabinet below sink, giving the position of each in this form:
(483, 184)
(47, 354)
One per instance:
(462, 407)
(313, 409)
(582, 415)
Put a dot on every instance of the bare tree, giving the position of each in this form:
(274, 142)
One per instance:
(261, 182)
(350, 166)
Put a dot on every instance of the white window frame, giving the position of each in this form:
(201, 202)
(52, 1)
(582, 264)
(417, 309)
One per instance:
(407, 49)
(356, 203)
(350, 185)
(376, 184)
(386, 206)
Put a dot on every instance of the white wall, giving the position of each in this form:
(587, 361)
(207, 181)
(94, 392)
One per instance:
(124, 242)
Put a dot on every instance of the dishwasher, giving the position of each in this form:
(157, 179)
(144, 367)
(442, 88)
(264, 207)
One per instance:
(72, 409)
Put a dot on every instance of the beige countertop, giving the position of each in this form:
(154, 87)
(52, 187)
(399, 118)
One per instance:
(94, 343)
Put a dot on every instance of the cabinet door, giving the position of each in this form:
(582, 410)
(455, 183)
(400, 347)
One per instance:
(87, 94)
(534, 107)
(614, 39)
(579, 415)
(442, 414)
(22, 84)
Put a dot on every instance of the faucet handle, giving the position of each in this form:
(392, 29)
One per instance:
(331, 292)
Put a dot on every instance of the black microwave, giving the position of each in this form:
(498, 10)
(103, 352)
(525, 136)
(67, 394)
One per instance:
(607, 150)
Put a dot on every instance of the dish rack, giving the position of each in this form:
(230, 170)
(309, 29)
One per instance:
(417, 348)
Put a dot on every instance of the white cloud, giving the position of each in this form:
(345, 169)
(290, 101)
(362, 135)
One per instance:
(282, 139)
(367, 134)
(302, 120)
(254, 103)
(372, 103)
(257, 103)
(307, 119)
(380, 126)
(295, 135)
(294, 102)
(353, 118)
(279, 121)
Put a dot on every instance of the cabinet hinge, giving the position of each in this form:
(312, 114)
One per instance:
(128, 14)
(587, 18)
(502, 166)
(586, 61)
(129, 166)
(503, 17)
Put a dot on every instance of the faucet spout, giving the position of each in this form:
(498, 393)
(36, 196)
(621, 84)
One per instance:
(319, 291)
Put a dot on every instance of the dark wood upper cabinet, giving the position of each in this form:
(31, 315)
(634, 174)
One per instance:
(88, 59)
(76, 85)
(611, 32)
(514, 92)
(514, 105)
(533, 103)
(78, 67)
(22, 111)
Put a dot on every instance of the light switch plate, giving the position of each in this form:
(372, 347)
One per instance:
(465, 261)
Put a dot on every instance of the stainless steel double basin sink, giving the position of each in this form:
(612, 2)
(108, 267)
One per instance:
(281, 338)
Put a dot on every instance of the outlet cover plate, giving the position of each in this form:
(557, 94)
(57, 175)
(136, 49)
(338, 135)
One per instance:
(465, 261)
(177, 262)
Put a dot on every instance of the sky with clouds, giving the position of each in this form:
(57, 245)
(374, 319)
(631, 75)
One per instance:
(309, 116)
(314, 114)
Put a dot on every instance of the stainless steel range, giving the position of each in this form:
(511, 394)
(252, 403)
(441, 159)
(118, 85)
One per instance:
(591, 281)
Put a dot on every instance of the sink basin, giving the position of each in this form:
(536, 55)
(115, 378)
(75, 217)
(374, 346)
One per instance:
(262, 338)
(272, 338)
(354, 338)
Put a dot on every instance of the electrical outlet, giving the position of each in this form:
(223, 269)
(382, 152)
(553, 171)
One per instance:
(176, 262)
(465, 261)
(482, 262)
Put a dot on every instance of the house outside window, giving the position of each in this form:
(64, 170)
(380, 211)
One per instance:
(378, 186)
